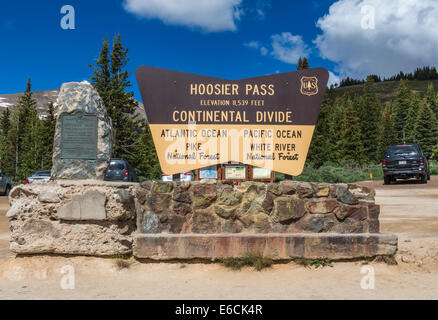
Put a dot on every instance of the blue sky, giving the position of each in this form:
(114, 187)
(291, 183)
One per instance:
(222, 38)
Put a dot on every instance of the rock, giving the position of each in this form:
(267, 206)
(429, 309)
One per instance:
(350, 225)
(230, 198)
(50, 196)
(22, 191)
(147, 185)
(89, 206)
(322, 191)
(176, 224)
(181, 209)
(408, 259)
(288, 208)
(234, 226)
(344, 195)
(256, 218)
(316, 223)
(82, 99)
(126, 199)
(150, 223)
(52, 237)
(373, 211)
(373, 226)
(181, 194)
(362, 192)
(224, 212)
(204, 195)
(268, 202)
(162, 187)
(16, 208)
(141, 195)
(204, 222)
(158, 202)
(303, 189)
(322, 206)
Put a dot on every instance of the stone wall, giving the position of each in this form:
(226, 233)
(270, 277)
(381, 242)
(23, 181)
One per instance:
(68, 217)
(166, 220)
(251, 207)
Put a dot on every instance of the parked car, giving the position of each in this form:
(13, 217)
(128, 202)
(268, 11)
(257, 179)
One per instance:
(405, 161)
(39, 176)
(120, 170)
(5, 185)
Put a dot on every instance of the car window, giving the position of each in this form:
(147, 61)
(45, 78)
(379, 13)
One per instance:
(41, 173)
(116, 166)
(403, 151)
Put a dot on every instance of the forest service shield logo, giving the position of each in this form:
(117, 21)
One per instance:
(309, 86)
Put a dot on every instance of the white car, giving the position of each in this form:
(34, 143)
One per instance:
(39, 176)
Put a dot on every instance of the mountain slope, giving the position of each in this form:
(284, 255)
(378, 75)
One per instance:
(43, 98)
(387, 90)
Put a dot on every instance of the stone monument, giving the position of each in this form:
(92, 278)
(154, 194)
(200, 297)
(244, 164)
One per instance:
(80, 214)
(83, 137)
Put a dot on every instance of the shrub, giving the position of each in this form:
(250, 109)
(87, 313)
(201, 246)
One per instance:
(340, 173)
(257, 261)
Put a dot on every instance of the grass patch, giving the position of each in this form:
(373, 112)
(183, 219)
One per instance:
(123, 261)
(316, 263)
(389, 260)
(257, 261)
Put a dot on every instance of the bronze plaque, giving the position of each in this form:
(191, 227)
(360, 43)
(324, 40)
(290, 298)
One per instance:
(79, 137)
(198, 121)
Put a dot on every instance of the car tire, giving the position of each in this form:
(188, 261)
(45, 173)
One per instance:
(387, 180)
(428, 176)
(424, 179)
(8, 189)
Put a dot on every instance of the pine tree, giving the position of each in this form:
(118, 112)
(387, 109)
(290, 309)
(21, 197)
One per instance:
(305, 64)
(30, 142)
(322, 148)
(148, 167)
(388, 135)
(411, 120)
(351, 145)
(402, 105)
(5, 122)
(101, 78)
(111, 80)
(47, 134)
(369, 111)
(432, 99)
(426, 128)
(6, 152)
(300, 64)
(21, 136)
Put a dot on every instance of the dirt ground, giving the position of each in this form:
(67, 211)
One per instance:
(408, 210)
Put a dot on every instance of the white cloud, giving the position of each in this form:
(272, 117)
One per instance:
(285, 47)
(209, 15)
(333, 79)
(252, 44)
(404, 36)
(256, 45)
(288, 48)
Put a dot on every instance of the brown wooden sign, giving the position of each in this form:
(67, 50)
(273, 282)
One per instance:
(198, 121)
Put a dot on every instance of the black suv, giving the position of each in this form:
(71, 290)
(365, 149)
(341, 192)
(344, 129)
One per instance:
(406, 161)
(120, 170)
